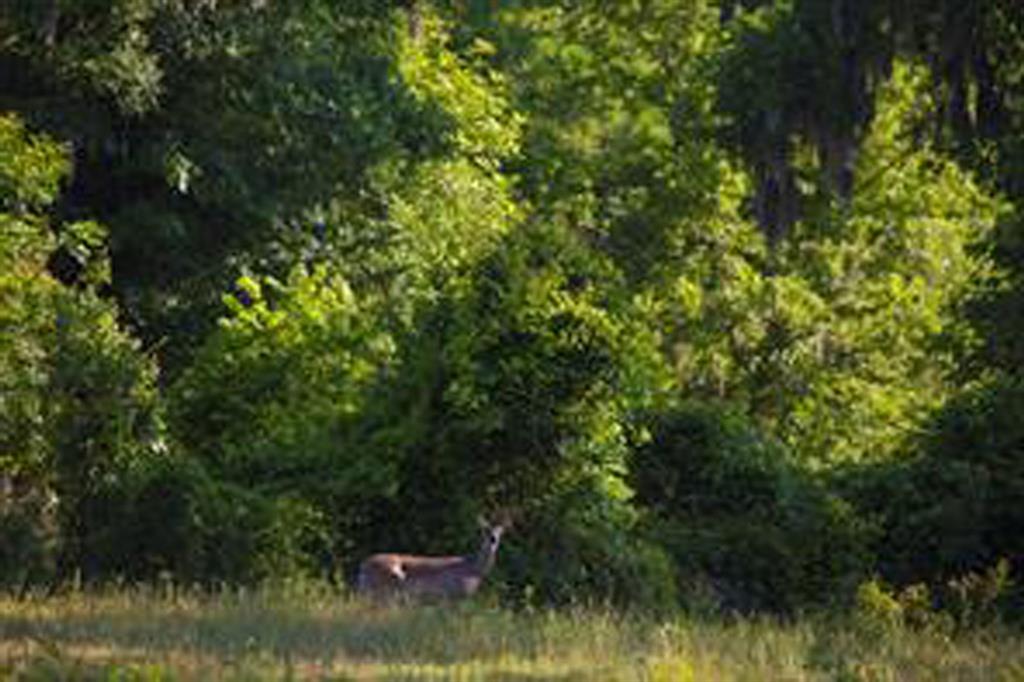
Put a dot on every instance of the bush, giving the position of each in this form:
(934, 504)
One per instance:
(29, 538)
(742, 521)
(105, 420)
(274, 410)
(982, 434)
(976, 599)
(582, 550)
(247, 536)
(174, 520)
(953, 508)
(969, 601)
(879, 611)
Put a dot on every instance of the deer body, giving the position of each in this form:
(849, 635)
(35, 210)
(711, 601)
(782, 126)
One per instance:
(450, 577)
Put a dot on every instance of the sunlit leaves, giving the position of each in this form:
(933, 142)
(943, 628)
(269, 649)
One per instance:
(547, 361)
(271, 391)
(30, 167)
(484, 127)
(847, 341)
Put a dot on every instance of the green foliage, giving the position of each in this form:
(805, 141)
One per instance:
(213, 136)
(79, 409)
(104, 418)
(977, 598)
(616, 141)
(804, 73)
(284, 397)
(877, 608)
(741, 519)
(517, 391)
(951, 509)
(585, 552)
(29, 536)
(289, 365)
(31, 168)
(29, 174)
(907, 253)
(483, 127)
(995, 310)
(176, 522)
(967, 602)
(545, 360)
(792, 69)
(842, 339)
(881, 612)
(101, 49)
(271, 407)
(396, 264)
(429, 211)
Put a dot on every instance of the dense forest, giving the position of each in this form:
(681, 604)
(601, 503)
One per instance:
(722, 300)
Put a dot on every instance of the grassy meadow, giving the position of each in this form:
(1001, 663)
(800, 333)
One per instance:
(151, 635)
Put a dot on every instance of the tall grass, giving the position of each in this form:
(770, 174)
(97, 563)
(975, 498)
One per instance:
(314, 633)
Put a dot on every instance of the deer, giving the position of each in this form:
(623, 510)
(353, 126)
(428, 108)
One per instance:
(446, 578)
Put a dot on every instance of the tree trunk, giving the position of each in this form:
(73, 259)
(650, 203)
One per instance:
(415, 14)
(51, 17)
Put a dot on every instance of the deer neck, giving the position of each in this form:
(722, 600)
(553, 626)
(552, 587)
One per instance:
(484, 560)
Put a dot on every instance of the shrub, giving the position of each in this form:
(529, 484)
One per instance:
(174, 520)
(975, 599)
(28, 538)
(580, 550)
(273, 411)
(105, 421)
(879, 610)
(741, 519)
(952, 508)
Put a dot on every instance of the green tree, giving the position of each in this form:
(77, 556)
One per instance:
(290, 397)
(806, 73)
(270, 409)
(520, 390)
(213, 136)
(79, 409)
(841, 339)
(616, 140)
(947, 508)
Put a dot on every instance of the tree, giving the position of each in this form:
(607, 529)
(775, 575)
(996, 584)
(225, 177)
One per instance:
(838, 340)
(212, 136)
(521, 389)
(79, 407)
(615, 141)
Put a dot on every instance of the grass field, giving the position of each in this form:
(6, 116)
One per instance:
(156, 635)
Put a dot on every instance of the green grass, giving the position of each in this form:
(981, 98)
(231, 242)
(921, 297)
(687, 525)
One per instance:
(153, 635)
